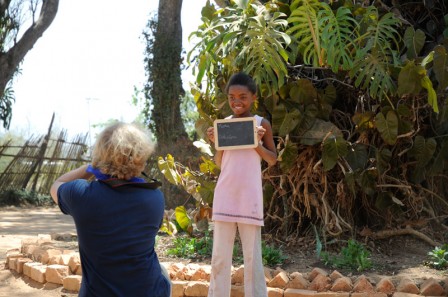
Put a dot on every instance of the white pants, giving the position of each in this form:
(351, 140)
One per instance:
(223, 241)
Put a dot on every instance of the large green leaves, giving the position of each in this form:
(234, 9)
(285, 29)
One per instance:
(441, 66)
(423, 150)
(333, 149)
(383, 158)
(168, 169)
(183, 219)
(319, 131)
(357, 157)
(337, 36)
(377, 53)
(249, 37)
(290, 122)
(409, 79)
(414, 41)
(287, 155)
(264, 53)
(380, 32)
(387, 126)
(432, 96)
(306, 30)
(413, 78)
(372, 73)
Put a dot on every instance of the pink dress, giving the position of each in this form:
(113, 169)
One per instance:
(238, 194)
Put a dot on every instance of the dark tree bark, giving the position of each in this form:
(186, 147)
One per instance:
(167, 91)
(167, 86)
(10, 60)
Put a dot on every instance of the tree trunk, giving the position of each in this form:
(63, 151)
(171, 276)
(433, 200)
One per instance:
(167, 91)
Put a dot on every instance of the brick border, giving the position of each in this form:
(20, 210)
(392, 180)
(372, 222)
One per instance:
(41, 261)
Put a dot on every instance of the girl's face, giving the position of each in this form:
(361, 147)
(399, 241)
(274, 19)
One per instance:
(240, 100)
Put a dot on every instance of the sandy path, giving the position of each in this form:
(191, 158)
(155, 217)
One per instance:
(19, 223)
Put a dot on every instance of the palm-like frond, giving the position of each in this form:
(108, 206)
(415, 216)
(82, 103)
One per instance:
(372, 73)
(378, 51)
(380, 33)
(251, 38)
(305, 29)
(264, 52)
(338, 36)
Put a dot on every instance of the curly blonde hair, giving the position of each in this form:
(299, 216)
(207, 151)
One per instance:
(122, 150)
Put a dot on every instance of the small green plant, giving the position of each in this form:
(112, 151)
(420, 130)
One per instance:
(183, 247)
(190, 247)
(353, 256)
(271, 255)
(439, 257)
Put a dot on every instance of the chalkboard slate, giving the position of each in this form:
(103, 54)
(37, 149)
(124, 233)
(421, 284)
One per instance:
(236, 133)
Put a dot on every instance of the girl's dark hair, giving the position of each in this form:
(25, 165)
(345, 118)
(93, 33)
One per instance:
(242, 79)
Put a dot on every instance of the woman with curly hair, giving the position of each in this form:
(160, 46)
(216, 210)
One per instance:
(117, 215)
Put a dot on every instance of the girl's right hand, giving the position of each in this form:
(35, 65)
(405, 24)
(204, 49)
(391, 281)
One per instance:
(211, 134)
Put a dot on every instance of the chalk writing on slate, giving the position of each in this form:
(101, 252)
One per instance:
(236, 133)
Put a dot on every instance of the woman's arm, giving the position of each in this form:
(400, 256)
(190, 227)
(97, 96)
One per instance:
(79, 173)
(267, 150)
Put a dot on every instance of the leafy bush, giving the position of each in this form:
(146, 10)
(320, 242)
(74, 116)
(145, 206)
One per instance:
(24, 197)
(439, 257)
(353, 256)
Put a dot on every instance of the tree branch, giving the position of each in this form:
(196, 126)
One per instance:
(10, 60)
(406, 231)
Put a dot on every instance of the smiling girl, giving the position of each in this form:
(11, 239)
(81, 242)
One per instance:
(238, 197)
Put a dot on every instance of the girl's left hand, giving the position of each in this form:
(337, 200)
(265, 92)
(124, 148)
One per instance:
(260, 132)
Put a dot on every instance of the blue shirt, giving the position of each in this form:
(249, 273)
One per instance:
(116, 235)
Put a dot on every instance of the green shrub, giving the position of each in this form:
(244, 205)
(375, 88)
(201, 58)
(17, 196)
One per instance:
(24, 197)
(191, 247)
(439, 257)
(271, 255)
(353, 256)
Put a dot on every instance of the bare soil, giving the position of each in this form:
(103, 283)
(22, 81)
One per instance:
(396, 257)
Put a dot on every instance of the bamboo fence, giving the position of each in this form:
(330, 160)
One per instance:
(40, 160)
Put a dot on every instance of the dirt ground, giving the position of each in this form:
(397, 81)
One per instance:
(396, 257)
(19, 223)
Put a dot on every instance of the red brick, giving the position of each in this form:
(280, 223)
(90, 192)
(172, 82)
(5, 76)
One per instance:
(298, 281)
(299, 293)
(408, 286)
(196, 289)
(237, 291)
(432, 288)
(56, 273)
(279, 281)
(385, 285)
(177, 288)
(315, 272)
(362, 284)
(320, 283)
(72, 283)
(343, 284)
(275, 292)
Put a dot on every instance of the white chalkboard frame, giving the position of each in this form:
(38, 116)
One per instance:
(245, 145)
